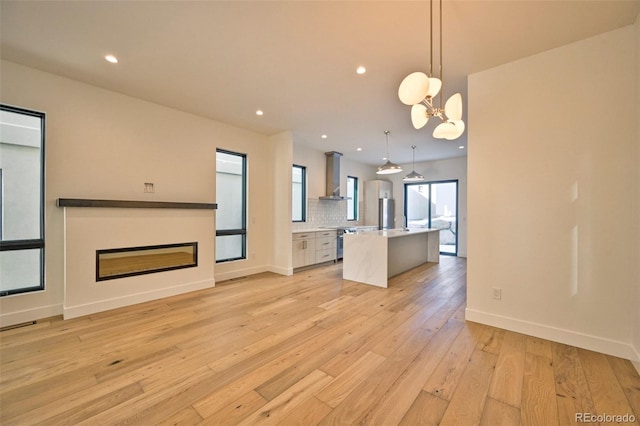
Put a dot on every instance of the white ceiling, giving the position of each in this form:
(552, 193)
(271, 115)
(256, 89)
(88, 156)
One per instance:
(295, 60)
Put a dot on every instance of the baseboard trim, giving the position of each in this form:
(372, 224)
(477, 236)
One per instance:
(636, 363)
(133, 299)
(568, 337)
(224, 276)
(29, 315)
(280, 270)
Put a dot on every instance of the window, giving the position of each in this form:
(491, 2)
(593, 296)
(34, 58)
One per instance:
(352, 198)
(299, 194)
(231, 196)
(21, 200)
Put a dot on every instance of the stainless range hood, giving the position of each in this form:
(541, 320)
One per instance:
(333, 177)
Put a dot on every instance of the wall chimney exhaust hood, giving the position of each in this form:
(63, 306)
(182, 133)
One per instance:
(333, 177)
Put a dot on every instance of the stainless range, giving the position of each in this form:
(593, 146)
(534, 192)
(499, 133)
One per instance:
(340, 242)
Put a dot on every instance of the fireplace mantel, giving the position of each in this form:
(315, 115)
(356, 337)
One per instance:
(81, 202)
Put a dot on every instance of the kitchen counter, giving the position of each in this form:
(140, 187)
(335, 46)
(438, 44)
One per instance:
(372, 257)
(301, 231)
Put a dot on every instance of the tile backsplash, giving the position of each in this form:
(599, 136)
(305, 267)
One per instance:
(327, 213)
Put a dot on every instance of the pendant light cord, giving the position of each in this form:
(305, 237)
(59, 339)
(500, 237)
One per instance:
(386, 132)
(414, 157)
(441, 80)
(431, 39)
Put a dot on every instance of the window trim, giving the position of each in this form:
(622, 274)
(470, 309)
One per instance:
(34, 243)
(303, 195)
(355, 211)
(240, 231)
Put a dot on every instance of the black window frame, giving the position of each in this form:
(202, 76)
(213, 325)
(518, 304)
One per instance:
(303, 196)
(35, 243)
(355, 199)
(240, 231)
(429, 183)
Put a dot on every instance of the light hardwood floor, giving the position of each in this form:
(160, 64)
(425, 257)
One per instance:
(306, 349)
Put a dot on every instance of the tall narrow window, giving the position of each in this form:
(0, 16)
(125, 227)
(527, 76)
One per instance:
(231, 196)
(299, 194)
(434, 205)
(352, 198)
(21, 200)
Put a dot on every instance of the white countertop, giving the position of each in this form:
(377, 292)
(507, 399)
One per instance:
(301, 231)
(396, 232)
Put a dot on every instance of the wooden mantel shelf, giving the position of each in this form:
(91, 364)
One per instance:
(80, 202)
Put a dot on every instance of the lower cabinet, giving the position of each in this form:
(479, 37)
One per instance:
(310, 248)
(304, 249)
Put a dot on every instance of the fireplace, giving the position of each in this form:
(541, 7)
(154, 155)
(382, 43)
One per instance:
(130, 261)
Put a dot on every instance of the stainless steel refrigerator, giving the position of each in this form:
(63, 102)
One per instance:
(379, 207)
(386, 213)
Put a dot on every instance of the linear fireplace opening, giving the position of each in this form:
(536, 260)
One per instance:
(130, 261)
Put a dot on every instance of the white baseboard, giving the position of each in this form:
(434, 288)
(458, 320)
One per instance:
(29, 315)
(280, 270)
(252, 271)
(636, 363)
(133, 299)
(224, 276)
(568, 337)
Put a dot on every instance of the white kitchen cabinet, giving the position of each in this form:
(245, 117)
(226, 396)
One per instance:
(325, 248)
(304, 249)
(313, 247)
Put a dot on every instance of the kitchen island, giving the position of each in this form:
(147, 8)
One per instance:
(372, 257)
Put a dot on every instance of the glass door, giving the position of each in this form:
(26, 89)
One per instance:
(434, 205)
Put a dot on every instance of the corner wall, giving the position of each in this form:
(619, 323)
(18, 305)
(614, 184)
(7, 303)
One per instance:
(101, 144)
(552, 158)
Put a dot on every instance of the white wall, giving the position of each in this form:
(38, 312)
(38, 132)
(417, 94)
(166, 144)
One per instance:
(100, 144)
(553, 144)
(282, 159)
(450, 169)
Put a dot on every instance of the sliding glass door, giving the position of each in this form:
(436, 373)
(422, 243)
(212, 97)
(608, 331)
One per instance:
(434, 205)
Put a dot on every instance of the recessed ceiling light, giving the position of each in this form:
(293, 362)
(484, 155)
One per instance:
(359, 149)
(259, 112)
(384, 158)
(361, 70)
(111, 58)
(461, 147)
(323, 136)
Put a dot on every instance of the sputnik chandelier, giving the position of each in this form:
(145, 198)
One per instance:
(419, 90)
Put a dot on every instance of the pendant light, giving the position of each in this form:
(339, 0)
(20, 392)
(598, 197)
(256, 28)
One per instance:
(413, 176)
(419, 90)
(388, 168)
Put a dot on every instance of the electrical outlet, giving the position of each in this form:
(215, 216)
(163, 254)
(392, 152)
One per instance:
(497, 293)
(148, 188)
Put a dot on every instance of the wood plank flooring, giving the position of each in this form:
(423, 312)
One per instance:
(303, 350)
